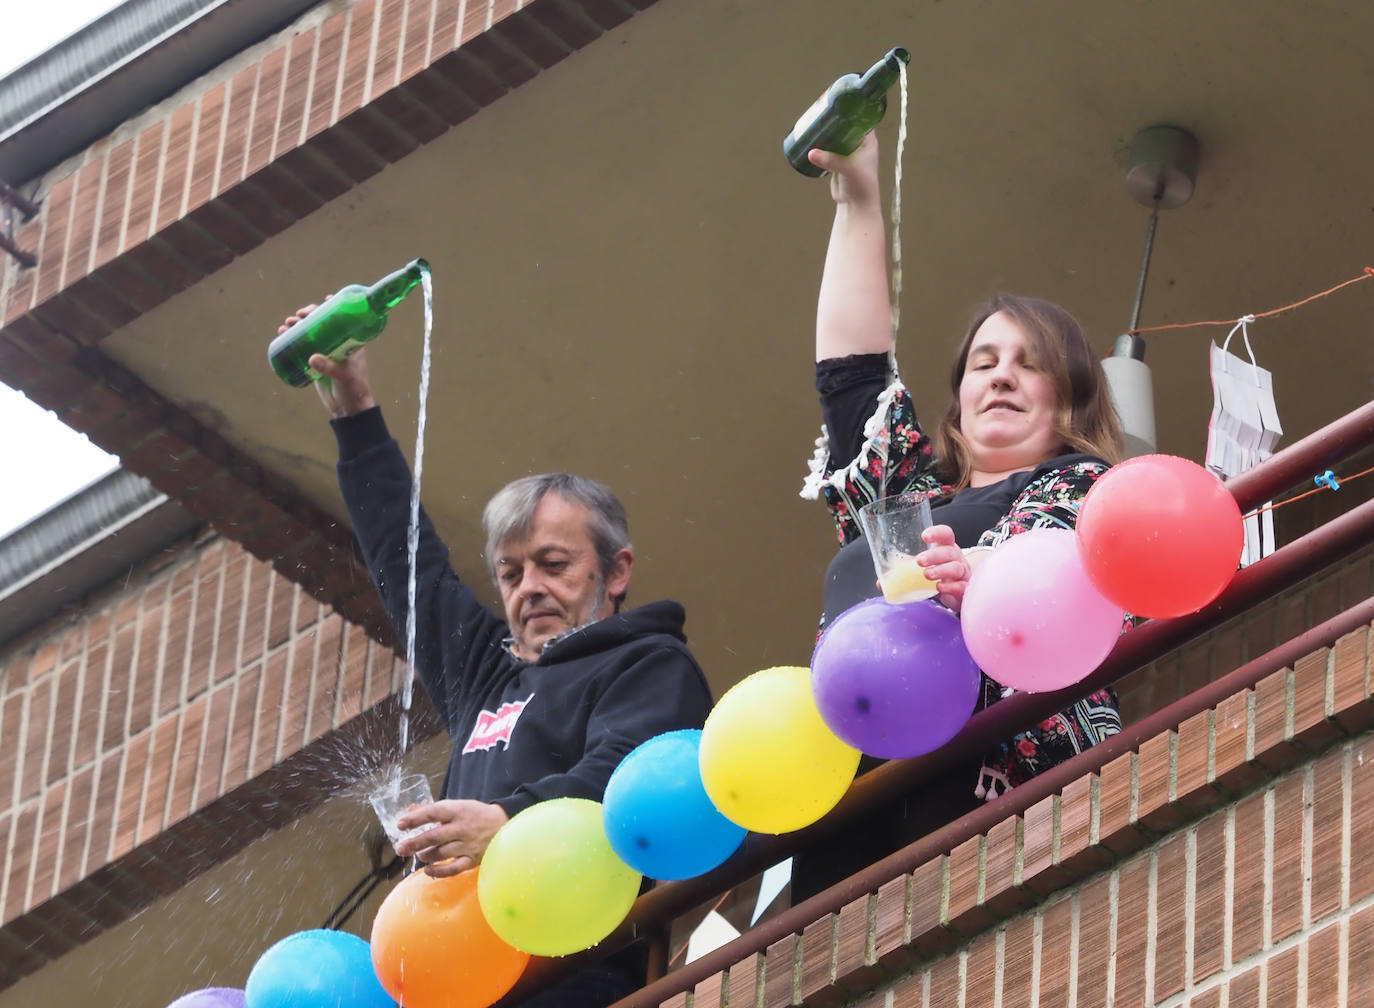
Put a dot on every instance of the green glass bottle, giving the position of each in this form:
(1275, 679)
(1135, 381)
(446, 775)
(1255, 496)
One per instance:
(350, 318)
(844, 114)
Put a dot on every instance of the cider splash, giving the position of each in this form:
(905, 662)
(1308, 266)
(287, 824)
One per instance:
(413, 530)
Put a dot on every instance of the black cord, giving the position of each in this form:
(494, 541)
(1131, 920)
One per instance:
(358, 895)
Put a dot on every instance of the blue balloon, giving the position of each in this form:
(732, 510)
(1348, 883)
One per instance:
(316, 969)
(210, 997)
(657, 815)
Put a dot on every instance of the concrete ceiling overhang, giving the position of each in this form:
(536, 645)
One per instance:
(625, 267)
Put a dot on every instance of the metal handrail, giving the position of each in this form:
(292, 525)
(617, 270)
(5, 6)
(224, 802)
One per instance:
(1149, 642)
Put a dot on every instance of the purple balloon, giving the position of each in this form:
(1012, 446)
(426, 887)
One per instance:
(894, 680)
(210, 997)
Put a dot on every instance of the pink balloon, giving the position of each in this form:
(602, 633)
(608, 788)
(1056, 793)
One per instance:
(1032, 618)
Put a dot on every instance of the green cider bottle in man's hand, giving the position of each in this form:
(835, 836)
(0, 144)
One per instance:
(352, 317)
(844, 114)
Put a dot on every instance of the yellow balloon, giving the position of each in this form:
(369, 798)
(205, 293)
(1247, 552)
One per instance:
(550, 884)
(768, 761)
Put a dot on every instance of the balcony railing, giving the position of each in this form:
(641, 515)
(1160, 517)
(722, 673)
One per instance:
(1285, 569)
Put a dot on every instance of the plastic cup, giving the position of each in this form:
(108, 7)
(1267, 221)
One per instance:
(397, 795)
(893, 528)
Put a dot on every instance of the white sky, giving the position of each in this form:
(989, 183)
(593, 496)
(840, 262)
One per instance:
(42, 460)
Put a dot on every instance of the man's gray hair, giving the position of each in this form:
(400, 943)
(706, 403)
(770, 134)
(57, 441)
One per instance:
(511, 513)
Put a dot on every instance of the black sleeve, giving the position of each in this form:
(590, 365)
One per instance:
(660, 692)
(849, 388)
(455, 636)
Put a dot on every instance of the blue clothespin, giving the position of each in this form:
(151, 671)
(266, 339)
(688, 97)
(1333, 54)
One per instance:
(1327, 479)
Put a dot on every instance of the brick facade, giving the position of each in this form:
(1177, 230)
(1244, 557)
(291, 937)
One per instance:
(1222, 859)
(153, 733)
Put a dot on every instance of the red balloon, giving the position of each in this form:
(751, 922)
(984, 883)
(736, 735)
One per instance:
(1160, 536)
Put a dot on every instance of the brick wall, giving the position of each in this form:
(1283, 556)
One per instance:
(210, 174)
(139, 736)
(1221, 863)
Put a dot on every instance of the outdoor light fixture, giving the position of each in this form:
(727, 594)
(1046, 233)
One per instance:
(1162, 169)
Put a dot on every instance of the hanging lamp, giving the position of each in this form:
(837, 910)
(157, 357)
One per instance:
(1162, 169)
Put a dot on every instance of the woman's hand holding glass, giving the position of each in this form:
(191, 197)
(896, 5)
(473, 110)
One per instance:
(947, 565)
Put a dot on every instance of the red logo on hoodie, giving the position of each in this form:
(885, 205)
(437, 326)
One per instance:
(495, 727)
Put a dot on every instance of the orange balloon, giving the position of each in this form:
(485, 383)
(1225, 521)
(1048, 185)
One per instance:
(432, 948)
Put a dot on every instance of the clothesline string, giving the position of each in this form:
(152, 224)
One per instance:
(1307, 493)
(1368, 272)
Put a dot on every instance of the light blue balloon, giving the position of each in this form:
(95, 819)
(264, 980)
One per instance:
(316, 969)
(657, 815)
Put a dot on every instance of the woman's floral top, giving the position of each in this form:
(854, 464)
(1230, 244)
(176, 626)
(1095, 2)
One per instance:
(896, 457)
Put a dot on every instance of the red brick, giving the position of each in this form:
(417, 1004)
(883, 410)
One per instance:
(1117, 829)
(1018, 963)
(103, 825)
(176, 165)
(242, 97)
(1131, 932)
(741, 981)
(1282, 976)
(300, 66)
(71, 867)
(1352, 707)
(999, 877)
(1056, 965)
(928, 932)
(36, 738)
(386, 63)
(324, 87)
(57, 211)
(1171, 914)
(1192, 788)
(271, 703)
(781, 961)
(1209, 912)
(158, 792)
(415, 43)
(68, 680)
(1327, 828)
(1310, 725)
(1094, 945)
(965, 914)
(1288, 862)
(1360, 994)
(817, 956)
(266, 110)
(206, 147)
(186, 760)
(17, 873)
(890, 919)
(84, 212)
(980, 969)
(1248, 893)
(503, 64)
(1362, 818)
(851, 947)
(132, 773)
(147, 163)
(946, 981)
(1272, 747)
(357, 48)
(1324, 967)
(1038, 873)
(47, 852)
(1154, 808)
(237, 758)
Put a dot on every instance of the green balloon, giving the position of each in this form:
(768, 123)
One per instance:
(550, 884)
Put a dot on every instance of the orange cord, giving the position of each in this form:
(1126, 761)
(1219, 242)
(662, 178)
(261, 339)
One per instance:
(1306, 493)
(1368, 272)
